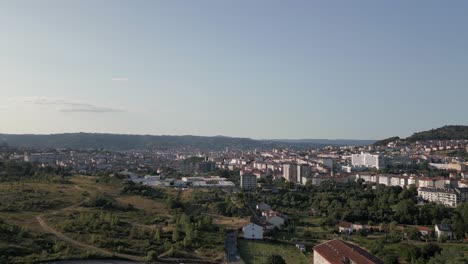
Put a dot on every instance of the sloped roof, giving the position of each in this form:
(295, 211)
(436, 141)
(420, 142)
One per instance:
(337, 251)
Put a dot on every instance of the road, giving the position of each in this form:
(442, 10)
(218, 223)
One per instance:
(91, 261)
(232, 254)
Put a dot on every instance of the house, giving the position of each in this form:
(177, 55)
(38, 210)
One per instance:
(443, 230)
(263, 207)
(253, 231)
(345, 227)
(338, 251)
(424, 230)
(276, 220)
(301, 247)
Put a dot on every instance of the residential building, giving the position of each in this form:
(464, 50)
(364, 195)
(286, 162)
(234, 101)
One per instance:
(448, 196)
(338, 251)
(253, 231)
(424, 230)
(273, 217)
(205, 167)
(290, 172)
(304, 172)
(263, 207)
(345, 227)
(301, 247)
(248, 181)
(443, 230)
(367, 160)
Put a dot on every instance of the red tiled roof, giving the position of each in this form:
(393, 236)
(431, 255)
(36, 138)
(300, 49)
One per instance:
(424, 228)
(336, 251)
(345, 224)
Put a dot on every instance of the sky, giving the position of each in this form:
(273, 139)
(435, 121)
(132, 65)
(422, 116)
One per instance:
(259, 69)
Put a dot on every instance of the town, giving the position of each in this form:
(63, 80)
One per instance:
(336, 203)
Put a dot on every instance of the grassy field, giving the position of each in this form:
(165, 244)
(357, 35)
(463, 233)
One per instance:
(369, 241)
(257, 252)
(128, 225)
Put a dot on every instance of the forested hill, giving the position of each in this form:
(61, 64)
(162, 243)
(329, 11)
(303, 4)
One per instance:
(442, 133)
(118, 142)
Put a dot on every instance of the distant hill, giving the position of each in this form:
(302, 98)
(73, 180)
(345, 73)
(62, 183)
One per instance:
(332, 142)
(442, 133)
(118, 142)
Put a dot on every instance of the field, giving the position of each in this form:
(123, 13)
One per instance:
(87, 216)
(256, 252)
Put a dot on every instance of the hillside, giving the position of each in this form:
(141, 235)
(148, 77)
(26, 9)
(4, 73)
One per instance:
(118, 142)
(442, 133)
(332, 142)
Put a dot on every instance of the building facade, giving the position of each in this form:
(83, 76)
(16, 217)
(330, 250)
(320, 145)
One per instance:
(367, 160)
(447, 196)
(248, 181)
(253, 231)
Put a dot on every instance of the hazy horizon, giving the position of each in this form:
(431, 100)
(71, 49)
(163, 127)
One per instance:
(262, 69)
(231, 136)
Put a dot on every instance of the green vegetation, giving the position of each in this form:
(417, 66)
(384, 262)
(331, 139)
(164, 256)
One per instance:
(264, 253)
(442, 133)
(111, 216)
(313, 214)
(385, 142)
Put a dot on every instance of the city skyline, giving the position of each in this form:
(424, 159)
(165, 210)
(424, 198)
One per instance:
(263, 70)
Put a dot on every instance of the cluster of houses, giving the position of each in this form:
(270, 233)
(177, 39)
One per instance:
(269, 220)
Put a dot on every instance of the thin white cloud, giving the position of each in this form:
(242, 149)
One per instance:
(119, 79)
(64, 104)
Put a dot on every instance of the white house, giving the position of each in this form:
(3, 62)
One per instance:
(253, 231)
(443, 230)
(345, 227)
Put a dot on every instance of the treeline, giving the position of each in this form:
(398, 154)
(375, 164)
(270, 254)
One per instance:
(18, 171)
(442, 133)
(369, 204)
(131, 188)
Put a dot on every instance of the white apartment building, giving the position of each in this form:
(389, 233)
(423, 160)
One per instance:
(448, 197)
(367, 160)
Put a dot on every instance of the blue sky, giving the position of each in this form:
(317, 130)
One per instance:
(260, 69)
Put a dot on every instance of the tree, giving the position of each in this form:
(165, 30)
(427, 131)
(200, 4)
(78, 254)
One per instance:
(151, 256)
(429, 250)
(277, 259)
(157, 235)
(405, 211)
(175, 234)
(413, 233)
(449, 255)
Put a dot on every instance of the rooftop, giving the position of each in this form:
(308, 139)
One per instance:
(337, 251)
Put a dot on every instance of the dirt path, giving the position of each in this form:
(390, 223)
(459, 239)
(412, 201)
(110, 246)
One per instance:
(62, 236)
(49, 229)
